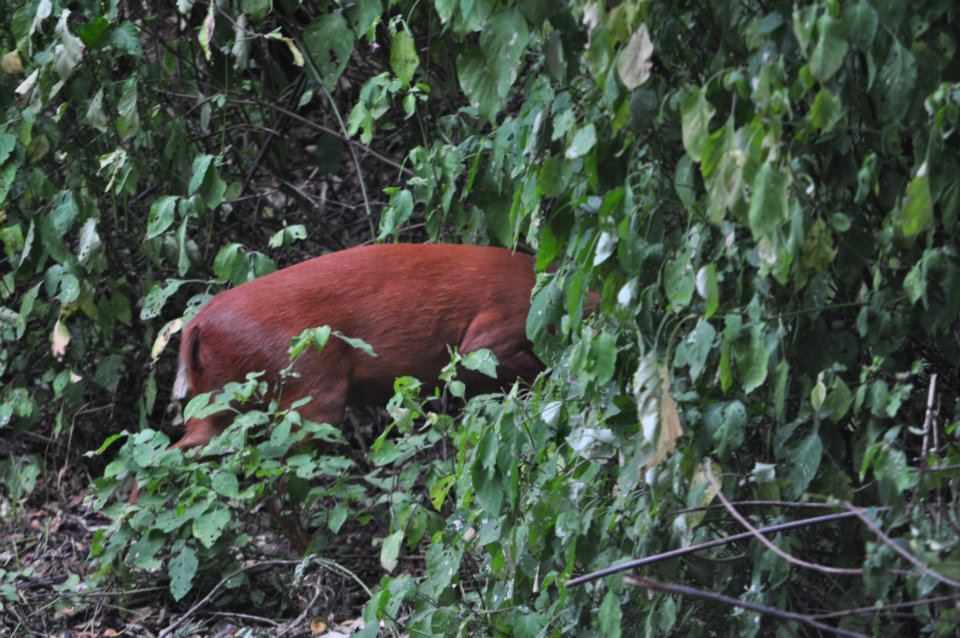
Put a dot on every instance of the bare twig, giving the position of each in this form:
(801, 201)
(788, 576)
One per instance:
(932, 573)
(925, 448)
(216, 589)
(785, 504)
(943, 468)
(646, 560)
(779, 614)
(882, 608)
(793, 560)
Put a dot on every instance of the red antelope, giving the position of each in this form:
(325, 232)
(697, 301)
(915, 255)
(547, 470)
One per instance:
(408, 301)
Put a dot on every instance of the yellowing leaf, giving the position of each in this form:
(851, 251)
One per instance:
(670, 428)
(294, 51)
(635, 61)
(163, 338)
(11, 64)
(59, 340)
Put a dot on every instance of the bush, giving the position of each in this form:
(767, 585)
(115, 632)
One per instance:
(761, 198)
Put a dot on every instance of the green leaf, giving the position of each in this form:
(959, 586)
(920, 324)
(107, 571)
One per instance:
(860, 21)
(182, 569)
(697, 347)
(209, 527)
(583, 140)
(825, 110)
(128, 118)
(610, 615)
(143, 553)
(827, 56)
(161, 215)
(390, 551)
(154, 301)
(483, 361)
(917, 207)
(256, 10)
(357, 343)
(92, 32)
(440, 489)
(803, 461)
(329, 43)
(201, 164)
(487, 72)
(708, 290)
(751, 357)
(678, 281)
(126, 38)
(362, 15)
(895, 82)
(696, 113)
(768, 201)
(403, 56)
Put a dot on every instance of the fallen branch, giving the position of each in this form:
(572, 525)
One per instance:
(793, 560)
(779, 614)
(640, 562)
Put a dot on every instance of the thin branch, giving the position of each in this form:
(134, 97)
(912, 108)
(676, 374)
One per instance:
(882, 608)
(779, 614)
(925, 448)
(646, 560)
(793, 560)
(786, 504)
(932, 573)
(216, 589)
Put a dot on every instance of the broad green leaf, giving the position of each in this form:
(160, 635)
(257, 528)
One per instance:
(126, 38)
(860, 20)
(355, 342)
(610, 615)
(750, 354)
(209, 527)
(390, 552)
(678, 281)
(403, 56)
(830, 49)
(483, 361)
(583, 140)
(161, 215)
(696, 113)
(487, 72)
(895, 82)
(156, 298)
(917, 207)
(256, 10)
(336, 517)
(201, 164)
(128, 118)
(143, 553)
(182, 569)
(803, 461)
(7, 144)
(708, 290)
(362, 15)
(768, 200)
(825, 110)
(696, 347)
(329, 43)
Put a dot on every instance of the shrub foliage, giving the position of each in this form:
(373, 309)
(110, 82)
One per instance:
(760, 199)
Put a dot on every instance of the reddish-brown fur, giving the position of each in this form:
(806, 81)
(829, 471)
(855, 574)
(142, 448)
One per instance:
(408, 301)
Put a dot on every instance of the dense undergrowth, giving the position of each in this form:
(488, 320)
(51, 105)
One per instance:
(764, 197)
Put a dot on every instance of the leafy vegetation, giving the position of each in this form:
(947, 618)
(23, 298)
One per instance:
(745, 221)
